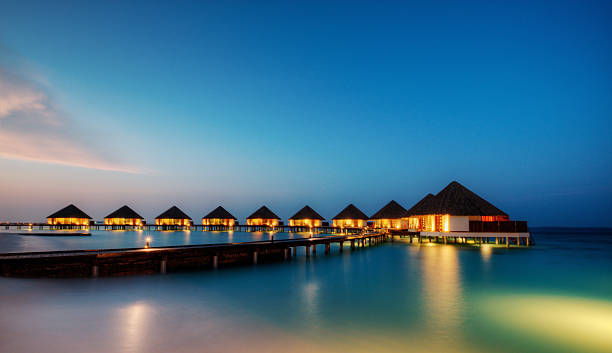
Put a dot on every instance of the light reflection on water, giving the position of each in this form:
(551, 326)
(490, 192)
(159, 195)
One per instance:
(442, 288)
(133, 321)
(394, 297)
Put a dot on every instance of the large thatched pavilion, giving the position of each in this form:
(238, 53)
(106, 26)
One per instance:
(451, 210)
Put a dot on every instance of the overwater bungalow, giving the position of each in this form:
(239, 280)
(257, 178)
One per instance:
(452, 210)
(219, 217)
(124, 216)
(392, 215)
(306, 217)
(350, 217)
(69, 215)
(173, 217)
(263, 217)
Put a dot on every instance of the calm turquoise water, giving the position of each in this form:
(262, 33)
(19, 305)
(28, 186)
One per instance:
(554, 297)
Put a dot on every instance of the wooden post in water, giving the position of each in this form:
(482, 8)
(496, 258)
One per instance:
(215, 261)
(307, 250)
(254, 257)
(162, 265)
(341, 245)
(314, 249)
(94, 269)
(294, 251)
(326, 248)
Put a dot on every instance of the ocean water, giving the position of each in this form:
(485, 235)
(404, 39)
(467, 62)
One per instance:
(553, 297)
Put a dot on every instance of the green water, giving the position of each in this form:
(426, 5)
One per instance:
(554, 297)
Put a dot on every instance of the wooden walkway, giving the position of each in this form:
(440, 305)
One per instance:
(195, 227)
(116, 262)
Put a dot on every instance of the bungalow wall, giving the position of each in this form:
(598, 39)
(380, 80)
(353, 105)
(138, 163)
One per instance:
(349, 223)
(68, 221)
(172, 222)
(397, 223)
(218, 222)
(123, 221)
(262, 222)
(305, 222)
(445, 223)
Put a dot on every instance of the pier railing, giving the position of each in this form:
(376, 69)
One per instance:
(499, 227)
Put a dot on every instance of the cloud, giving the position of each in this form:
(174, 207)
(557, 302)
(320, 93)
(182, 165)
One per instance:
(34, 128)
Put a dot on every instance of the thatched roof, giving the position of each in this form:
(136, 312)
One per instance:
(70, 211)
(307, 213)
(173, 213)
(427, 205)
(351, 212)
(457, 200)
(264, 213)
(219, 213)
(125, 212)
(392, 210)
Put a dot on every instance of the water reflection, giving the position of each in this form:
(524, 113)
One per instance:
(486, 251)
(581, 324)
(133, 324)
(441, 287)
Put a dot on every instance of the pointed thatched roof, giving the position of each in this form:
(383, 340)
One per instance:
(427, 205)
(173, 213)
(125, 212)
(70, 211)
(457, 200)
(307, 213)
(392, 210)
(219, 213)
(351, 212)
(264, 213)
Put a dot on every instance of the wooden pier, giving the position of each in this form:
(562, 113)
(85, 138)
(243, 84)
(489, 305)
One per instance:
(196, 227)
(118, 262)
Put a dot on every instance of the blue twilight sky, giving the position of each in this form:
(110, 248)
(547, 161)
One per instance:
(244, 103)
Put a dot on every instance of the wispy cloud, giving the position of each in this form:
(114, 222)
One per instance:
(34, 128)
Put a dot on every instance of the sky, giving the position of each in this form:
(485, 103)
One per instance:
(325, 103)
